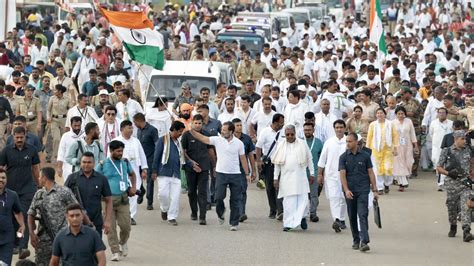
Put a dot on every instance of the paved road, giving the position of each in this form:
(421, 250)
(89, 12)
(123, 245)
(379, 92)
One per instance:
(414, 232)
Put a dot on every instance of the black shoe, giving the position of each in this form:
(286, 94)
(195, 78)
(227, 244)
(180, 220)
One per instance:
(287, 229)
(336, 226)
(343, 225)
(279, 216)
(355, 246)
(208, 207)
(16, 250)
(194, 217)
(380, 192)
(173, 222)
(452, 230)
(272, 215)
(314, 218)
(202, 221)
(23, 254)
(386, 189)
(149, 207)
(243, 218)
(304, 224)
(133, 222)
(140, 199)
(364, 247)
(467, 236)
(164, 216)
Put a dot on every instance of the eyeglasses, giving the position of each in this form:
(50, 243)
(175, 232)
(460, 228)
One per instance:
(111, 114)
(289, 134)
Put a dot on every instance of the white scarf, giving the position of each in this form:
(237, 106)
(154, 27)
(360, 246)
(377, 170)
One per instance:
(279, 157)
(167, 147)
(377, 140)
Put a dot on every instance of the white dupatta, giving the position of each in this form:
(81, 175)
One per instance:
(387, 129)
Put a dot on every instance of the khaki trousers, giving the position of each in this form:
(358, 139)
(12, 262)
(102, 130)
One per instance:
(57, 130)
(120, 216)
(3, 132)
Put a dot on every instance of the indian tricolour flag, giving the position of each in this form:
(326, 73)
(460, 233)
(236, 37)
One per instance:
(377, 34)
(142, 43)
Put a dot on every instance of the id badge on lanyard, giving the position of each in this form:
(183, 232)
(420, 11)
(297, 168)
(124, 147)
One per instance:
(122, 183)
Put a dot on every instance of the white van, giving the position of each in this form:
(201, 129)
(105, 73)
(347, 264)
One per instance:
(198, 74)
(77, 7)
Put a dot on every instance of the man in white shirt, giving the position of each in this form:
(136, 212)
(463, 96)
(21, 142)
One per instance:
(245, 113)
(324, 121)
(86, 113)
(294, 112)
(38, 52)
(339, 104)
(328, 174)
(230, 154)
(134, 153)
(261, 119)
(431, 111)
(127, 108)
(438, 129)
(228, 113)
(82, 67)
(322, 67)
(64, 169)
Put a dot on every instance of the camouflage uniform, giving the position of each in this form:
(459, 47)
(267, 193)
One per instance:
(457, 192)
(413, 106)
(54, 203)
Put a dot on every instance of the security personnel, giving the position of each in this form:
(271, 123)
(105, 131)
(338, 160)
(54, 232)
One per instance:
(5, 121)
(50, 203)
(453, 163)
(30, 108)
(414, 113)
(56, 116)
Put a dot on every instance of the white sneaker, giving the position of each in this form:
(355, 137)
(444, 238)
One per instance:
(124, 249)
(115, 257)
(234, 228)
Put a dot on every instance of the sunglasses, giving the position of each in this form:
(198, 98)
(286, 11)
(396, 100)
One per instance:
(289, 134)
(111, 114)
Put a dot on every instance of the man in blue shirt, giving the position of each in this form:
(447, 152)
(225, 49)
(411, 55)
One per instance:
(89, 88)
(122, 181)
(167, 167)
(315, 146)
(357, 178)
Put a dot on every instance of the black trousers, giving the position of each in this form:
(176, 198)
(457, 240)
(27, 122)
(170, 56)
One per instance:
(6, 252)
(197, 191)
(234, 182)
(358, 207)
(150, 185)
(276, 205)
(25, 202)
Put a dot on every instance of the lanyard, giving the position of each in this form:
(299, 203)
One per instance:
(83, 114)
(116, 168)
(4, 200)
(312, 144)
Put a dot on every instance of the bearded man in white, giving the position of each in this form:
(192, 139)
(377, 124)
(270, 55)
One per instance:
(109, 126)
(294, 112)
(134, 153)
(291, 160)
(328, 174)
(64, 169)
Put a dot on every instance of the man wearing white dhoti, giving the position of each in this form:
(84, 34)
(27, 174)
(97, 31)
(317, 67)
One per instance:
(328, 173)
(135, 155)
(291, 159)
(438, 129)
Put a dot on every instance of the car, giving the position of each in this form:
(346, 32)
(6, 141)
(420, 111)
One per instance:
(198, 74)
(252, 38)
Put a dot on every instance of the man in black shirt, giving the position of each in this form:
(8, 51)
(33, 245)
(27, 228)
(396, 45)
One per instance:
(90, 187)
(22, 163)
(357, 177)
(197, 168)
(148, 136)
(77, 244)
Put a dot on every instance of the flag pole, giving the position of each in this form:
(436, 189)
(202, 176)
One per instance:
(156, 91)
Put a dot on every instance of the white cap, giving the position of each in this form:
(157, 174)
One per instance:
(73, 33)
(329, 47)
(90, 47)
(302, 88)
(103, 92)
(266, 82)
(285, 31)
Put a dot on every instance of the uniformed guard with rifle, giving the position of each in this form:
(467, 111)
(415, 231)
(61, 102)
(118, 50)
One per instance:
(48, 207)
(454, 162)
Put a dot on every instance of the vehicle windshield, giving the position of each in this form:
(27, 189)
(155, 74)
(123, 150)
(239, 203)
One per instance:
(300, 17)
(283, 22)
(63, 14)
(170, 86)
(333, 3)
(252, 43)
(316, 13)
(266, 29)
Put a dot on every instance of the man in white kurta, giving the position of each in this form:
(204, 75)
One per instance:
(324, 121)
(84, 64)
(134, 153)
(295, 111)
(127, 108)
(109, 126)
(64, 168)
(86, 113)
(328, 174)
(291, 160)
(438, 129)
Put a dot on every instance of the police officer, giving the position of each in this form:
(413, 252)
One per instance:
(30, 108)
(56, 116)
(49, 203)
(452, 163)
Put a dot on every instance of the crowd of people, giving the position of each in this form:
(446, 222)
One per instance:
(319, 109)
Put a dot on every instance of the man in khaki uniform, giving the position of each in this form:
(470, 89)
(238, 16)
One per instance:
(176, 52)
(258, 67)
(245, 69)
(71, 91)
(276, 70)
(56, 116)
(30, 108)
